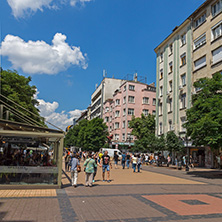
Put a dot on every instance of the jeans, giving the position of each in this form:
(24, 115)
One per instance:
(134, 167)
(89, 179)
(123, 164)
(138, 166)
(74, 177)
(127, 163)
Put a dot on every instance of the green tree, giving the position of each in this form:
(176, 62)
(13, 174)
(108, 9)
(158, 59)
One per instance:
(159, 143)
(204, 118)
(90, 135)
(173, 143)
(18, 89)
(144, 129)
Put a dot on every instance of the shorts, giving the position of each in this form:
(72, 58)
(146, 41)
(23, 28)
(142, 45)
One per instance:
(105, 167)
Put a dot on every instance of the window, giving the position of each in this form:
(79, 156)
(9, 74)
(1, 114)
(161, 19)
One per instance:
(161, 128)
(161, 91)
(171, 86)
(116, 125)
(106, 119)
(124, 100)
(131, 99)
(154, 112)
(200, 63)
(161, 57)
(171, 49)
(145, 100)
(116, 136)
(124, 124)
(110, 128)
(128, 123)
(124, 112)
(216, 31)
(183, 101)
(183, 59)
(200, 41)
(131, 112)
(170, 105)
(182, 120)
(170, 67)
(161, 74)
(183, 39)
(123, 137)
(117, 102)
(107, 109)
(132, 87)
(170, 125)
(117, 113)
(129, 137)
(216, 8)
(111, 109)
(200, 20)
(183, 79)
(160, 109)
(124, 88)
(110, 118)
(154, 102)
(217, 55)
(145, 112)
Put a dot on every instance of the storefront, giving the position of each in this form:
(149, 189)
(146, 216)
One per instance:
(30, 155)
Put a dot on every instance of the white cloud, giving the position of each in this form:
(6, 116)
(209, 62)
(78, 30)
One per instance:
(62, 119)
(21, 8)
(75, 2)
(41, 58)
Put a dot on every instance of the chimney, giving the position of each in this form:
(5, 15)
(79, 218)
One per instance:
(135, 77)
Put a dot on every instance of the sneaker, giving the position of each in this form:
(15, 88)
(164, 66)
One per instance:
(108, 181)
(93, 181)
(104, 181)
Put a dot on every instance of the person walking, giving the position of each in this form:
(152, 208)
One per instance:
(74, 163)
(168, 161)
(127, 160)
(106, 165)
(134, 162)
(123, 160)
(116, 159)
(139, 162)
(89, 165)
(95, 157)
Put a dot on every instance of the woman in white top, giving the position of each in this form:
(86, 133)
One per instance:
(134, 162)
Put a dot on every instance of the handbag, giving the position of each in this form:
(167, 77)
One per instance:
(78, 168)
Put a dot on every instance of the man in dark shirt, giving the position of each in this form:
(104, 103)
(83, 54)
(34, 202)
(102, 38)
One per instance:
(123, 160)
(106, 165)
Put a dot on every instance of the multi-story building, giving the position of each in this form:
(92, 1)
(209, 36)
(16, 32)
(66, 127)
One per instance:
(132, 98)
(103, 92)
(192, 51)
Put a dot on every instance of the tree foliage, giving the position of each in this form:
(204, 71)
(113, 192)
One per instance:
(89, 135)
(17, 88)
(144, 129)
(173, 143)
(204, 118)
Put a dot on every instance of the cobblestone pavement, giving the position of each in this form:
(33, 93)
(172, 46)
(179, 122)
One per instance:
(155, 194)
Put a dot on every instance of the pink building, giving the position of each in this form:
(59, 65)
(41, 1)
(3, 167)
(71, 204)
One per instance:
(132, 98)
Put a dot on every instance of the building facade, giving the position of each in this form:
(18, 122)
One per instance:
(103, 92)
(132, 98)
(192, 51)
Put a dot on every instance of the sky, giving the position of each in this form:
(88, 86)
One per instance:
(65, 45)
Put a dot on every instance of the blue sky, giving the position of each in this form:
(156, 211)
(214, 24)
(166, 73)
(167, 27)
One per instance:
(116, 35)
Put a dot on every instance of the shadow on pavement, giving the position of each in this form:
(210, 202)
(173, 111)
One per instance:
(206, 174)
(3, 214)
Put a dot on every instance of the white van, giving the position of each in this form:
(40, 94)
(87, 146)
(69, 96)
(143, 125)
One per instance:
(111, 151)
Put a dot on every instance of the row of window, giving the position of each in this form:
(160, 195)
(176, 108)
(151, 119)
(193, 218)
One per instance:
(171, 127)
(129, 137)
(170, 104)
(170, 86)
(131, 99)
(131, 88)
